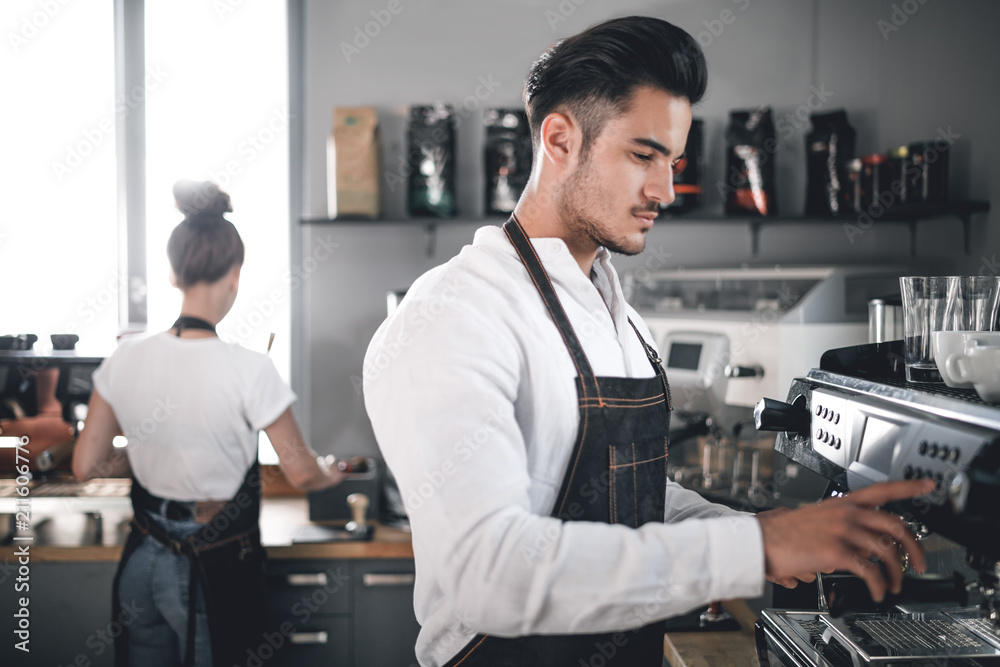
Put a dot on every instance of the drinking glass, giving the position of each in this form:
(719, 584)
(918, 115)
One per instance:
(925, 309)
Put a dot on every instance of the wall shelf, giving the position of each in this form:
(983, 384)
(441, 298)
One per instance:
(430, 225)
(908, 215)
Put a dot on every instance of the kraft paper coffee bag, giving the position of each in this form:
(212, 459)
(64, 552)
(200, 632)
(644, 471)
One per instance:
(353, 164)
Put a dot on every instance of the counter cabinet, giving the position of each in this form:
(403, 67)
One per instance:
(336, 612)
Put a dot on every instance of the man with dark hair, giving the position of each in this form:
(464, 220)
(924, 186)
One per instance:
(521, 405)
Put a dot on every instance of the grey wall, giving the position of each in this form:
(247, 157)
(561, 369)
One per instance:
(939, 69)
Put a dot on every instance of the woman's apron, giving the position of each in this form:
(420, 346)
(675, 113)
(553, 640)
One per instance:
(617, 473)
(226, 557)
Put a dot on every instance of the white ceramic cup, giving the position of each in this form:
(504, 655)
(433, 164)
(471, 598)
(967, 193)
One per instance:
(979, 365)
(949, 343)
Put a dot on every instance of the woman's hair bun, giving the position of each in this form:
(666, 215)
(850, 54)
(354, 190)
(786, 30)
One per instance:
(201, 198)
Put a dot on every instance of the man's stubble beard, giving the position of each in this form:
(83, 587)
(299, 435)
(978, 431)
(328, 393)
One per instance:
(578, 190)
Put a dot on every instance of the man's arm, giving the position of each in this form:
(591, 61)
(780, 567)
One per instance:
(441, 397)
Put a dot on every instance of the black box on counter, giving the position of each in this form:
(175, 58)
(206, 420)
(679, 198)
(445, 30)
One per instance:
(331, 504)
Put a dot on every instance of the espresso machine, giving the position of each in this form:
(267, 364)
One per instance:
(43, 405)
(730, 335)
(856, 421)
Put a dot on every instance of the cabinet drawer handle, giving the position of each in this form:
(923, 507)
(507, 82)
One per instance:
(388, 579)
(309, 637)
(306, 579)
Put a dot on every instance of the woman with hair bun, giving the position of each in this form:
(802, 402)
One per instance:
(191, 406)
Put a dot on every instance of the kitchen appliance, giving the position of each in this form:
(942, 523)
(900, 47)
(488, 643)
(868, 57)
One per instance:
(728, 336)
(778, 321)
(856, 421)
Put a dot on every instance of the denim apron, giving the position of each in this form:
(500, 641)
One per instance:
(228, 560)
(617, 473)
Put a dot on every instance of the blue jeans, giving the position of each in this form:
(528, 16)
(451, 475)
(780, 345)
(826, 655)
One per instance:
(155, 584)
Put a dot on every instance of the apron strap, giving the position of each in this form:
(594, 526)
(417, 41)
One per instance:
(656, 363)
(515, 232)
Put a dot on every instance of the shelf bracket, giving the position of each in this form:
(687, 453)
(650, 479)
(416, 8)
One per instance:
(967, 231)
(431, 231)
(754, 239)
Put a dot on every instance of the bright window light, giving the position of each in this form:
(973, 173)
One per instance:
(219, 112)
(59, 228)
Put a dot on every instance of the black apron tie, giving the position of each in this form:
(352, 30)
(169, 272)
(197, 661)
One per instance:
(622, 442)
(226, 557)
(190, 322)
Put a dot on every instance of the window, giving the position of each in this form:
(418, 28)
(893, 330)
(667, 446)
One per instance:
(59, 228)
(215, 91)
(219, 112)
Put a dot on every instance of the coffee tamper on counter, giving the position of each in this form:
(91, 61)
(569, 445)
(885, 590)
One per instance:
(358, 526)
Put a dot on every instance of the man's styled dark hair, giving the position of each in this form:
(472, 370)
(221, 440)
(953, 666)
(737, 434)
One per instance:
(593, 74)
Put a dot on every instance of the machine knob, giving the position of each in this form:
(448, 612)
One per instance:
(744, 371)
(772, 415)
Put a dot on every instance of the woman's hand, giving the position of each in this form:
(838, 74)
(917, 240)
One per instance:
(300, 464)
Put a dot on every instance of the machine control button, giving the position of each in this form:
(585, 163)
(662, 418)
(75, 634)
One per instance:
(922, 449)
(836, 418)
(826, 413)
(958, 492)
(819, 410)
(943, 452)
(932, 452)
(908, 471)
(918, 473)
(819, 434)
(836, 443)
(954, 455)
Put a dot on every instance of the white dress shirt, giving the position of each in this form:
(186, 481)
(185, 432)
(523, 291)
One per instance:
(470, 391)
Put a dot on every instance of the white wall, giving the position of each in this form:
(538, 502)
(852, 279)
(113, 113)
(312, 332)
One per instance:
(939, 69)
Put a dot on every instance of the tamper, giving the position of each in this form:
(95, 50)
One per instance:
(358, 526)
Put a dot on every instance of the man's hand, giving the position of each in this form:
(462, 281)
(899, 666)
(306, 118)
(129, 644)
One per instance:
(842, 534)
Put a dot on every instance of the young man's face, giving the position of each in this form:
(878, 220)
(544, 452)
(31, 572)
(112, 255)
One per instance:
(613, 196)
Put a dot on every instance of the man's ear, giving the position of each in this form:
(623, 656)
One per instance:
(560, 137)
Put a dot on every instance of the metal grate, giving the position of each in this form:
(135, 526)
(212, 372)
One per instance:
(915, 636)
(983, 628)
(836, 653)
(933, 388)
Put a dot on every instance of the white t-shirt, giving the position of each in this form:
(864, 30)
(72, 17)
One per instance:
(191, 409)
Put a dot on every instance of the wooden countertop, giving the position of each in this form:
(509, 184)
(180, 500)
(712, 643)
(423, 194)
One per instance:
(715, 649)
(72, 537)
